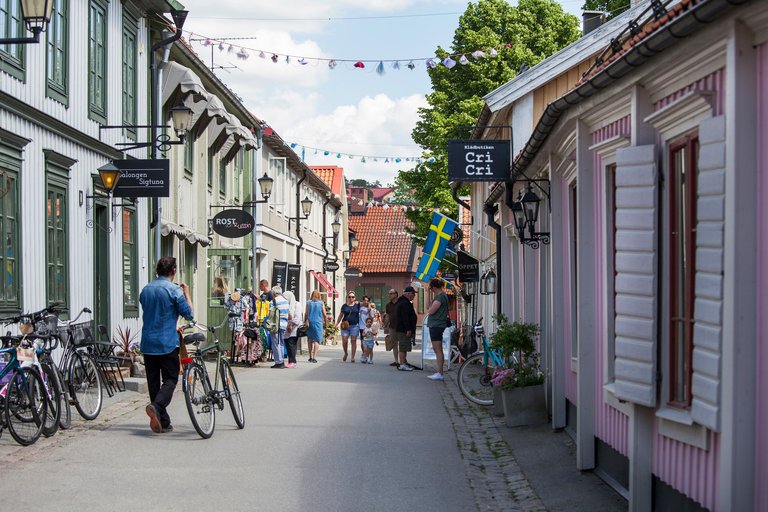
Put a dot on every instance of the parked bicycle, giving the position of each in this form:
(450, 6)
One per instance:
(477, 370)
(201, 397)
(23, 397)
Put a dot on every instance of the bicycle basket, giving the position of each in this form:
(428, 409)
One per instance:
(82, 333)
(47, 325)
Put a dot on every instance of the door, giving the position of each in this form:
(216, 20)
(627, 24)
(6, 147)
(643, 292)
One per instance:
(101, 232)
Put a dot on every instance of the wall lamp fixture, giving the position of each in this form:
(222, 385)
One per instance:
(181, 118)
(526, 213)
(36, 15)
(110, 175)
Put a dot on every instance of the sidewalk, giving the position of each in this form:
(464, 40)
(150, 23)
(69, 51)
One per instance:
(523, 468)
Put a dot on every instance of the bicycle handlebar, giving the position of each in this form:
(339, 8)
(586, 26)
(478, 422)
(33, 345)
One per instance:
(195, 324)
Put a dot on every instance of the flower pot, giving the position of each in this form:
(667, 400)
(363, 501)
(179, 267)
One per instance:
(498, 402)
(524, 406)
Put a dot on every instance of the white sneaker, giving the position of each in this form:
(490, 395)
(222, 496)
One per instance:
(404, 368)
(436, 376)
(363, 360)
(370, 361)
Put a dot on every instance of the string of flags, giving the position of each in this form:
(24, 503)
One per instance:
(378, 65)
(363, 158)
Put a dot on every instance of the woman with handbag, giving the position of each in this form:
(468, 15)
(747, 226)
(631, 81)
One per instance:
(348, 321)
(314, 320)
(295, 319)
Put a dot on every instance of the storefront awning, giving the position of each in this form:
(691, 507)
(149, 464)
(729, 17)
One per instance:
(182, 233)
(181, 84)
(206, 111)
(325, 283)
(233, 145)
(219, 135)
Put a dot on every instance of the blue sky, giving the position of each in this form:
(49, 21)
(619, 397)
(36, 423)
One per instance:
(347, 110)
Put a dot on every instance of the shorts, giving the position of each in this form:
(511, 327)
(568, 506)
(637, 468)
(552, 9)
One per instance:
(389, 341)
(354, 330)
(368, 344)
(436, 333)
(404, 343)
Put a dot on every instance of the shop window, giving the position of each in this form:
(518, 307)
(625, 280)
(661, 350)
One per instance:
(130, 264)
(56, 234)
(57, 41)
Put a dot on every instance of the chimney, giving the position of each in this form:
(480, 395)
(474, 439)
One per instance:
(591, 21)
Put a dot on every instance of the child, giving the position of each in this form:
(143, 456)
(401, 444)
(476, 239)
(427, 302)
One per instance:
(369, 336)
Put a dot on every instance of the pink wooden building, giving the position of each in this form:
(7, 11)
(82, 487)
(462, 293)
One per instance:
(652, 294)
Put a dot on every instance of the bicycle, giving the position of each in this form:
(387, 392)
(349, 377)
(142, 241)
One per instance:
(24, 399)
(201, 398)
(80, 370)
(477, 370)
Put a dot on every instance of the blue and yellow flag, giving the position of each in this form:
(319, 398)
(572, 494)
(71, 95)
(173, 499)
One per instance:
(439, 234)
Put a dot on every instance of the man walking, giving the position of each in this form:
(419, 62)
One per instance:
(390, 319)
(405, 326)
(278, 339)
(162, 302)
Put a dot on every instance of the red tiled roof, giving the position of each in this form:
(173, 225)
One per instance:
(332, 176)
(379, 193)
(384, 244)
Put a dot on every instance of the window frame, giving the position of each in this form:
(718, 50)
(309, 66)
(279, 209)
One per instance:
(57, 181)
(130, 64)
(689, 145)
(130, 274)
(10, 168)
(13, 57)
(211, 160)
(189, 158)
(59, 26)
(97, 111)
(222, 180)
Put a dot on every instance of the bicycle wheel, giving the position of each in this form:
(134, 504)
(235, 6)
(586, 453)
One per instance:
(25, 406)
(475, 379)
(85, 385)
(198, 398)
(53, 392)
(233, 393)
(65, 418)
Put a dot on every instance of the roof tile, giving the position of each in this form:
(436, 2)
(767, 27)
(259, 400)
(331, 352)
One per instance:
(384, 244)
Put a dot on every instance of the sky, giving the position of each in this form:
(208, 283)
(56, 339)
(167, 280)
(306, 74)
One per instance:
(345, 110)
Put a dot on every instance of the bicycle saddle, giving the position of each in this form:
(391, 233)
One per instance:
(195, 338)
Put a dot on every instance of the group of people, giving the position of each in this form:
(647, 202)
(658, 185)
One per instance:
(399, 324)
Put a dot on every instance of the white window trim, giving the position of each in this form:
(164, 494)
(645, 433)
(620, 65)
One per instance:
(678, 424)
(683, 115)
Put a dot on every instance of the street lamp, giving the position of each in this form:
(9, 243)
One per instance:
(110, 175)
(181, 119)
(181, 116)
(525, 211)
(488, 283)
(306, 206)
(36, 15)
(265, 184)
(336, 227)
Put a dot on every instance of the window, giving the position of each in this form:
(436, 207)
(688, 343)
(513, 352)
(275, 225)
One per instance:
(610, 188)
(97, 61)
(56, 53)
(222, 179)
(130, 84)
(683, 155)
(130, 264)
(10, 262)
(238, 172)
(277, 172)
(574, 246)
(210, 168)
(57, 245)
(189, 158)
(12, 25)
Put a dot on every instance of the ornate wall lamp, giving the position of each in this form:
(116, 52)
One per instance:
(488, 283)
(526, 213)
(36, 15)
(181, 118)
(110, 175)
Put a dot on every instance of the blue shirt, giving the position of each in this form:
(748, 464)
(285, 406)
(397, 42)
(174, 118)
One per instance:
(283, 307)
(163, 302)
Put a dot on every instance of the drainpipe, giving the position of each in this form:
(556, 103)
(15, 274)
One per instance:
(155, 74)
(455, 196)
(325, 246)
(256, 174)
(490, 211)
(298, 217)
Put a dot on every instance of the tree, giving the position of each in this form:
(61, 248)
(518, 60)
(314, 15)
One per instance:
(522, 35)
(612, 8)
(359, 182)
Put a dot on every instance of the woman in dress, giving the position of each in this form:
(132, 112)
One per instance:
(314, 319)
(348, 321)
(295, 319)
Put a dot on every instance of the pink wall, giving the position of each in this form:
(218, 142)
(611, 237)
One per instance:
(761, 469)
(713, 82)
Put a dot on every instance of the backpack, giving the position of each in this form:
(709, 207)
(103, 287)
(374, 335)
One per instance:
(272, 323)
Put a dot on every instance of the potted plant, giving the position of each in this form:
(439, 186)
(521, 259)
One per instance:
(128, 346)
(522, 382)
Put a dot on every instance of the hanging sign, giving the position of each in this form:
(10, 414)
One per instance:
(469, 268)
(143, 178)
(478, 160)
(293, 281)
(330, 266)
(353, 272)
(279, 271)
(233, 223)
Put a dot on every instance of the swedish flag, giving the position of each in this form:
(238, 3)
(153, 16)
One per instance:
(437, 241)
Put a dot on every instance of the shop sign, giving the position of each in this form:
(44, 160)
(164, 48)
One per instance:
(293, 282)
(330, 266)
(478, 160)
(279, 273)
(233, 223)
(469, 268)
(353, 272)
(143, 178)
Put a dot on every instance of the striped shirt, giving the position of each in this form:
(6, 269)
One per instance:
(284, 308)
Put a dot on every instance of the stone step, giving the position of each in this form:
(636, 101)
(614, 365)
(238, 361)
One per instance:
(138, 384)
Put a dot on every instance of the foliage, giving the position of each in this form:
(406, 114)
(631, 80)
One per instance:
(612, 8)
(527, 33)
(127, 339)
(330, 329)
(516, 341)
(359, 182)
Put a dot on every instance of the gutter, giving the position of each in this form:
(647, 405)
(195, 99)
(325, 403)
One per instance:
(298, 217)
(682, 26)
(490, 212)
(460, 202)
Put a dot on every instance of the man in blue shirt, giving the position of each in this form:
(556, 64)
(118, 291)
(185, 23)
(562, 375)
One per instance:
(162, 302)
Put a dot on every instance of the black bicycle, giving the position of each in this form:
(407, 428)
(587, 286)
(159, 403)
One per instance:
(201, 397)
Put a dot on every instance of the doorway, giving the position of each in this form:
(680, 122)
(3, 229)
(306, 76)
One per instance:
(101, 230)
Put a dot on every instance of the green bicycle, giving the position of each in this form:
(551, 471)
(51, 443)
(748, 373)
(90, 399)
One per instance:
(201, 397)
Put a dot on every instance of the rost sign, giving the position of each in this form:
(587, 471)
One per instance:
(478, 160)
(233, 223)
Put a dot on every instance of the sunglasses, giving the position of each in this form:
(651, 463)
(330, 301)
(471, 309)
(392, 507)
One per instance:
(350, 296)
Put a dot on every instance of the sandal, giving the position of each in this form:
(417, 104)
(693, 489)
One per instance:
(345, 358)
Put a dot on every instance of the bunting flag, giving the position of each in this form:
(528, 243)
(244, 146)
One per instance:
(434, 249)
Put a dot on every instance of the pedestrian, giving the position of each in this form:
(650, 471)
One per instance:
(365, 308)
(278, 339)
(262, 311)
(314, 319)
(219, 290)
(405, 328)
(295, 319)
(266, 291)
(369, 336)
(390, 320)
(348, 321)
(437, 322)
(163, 303)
